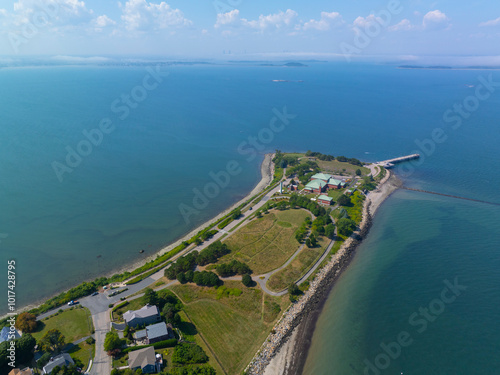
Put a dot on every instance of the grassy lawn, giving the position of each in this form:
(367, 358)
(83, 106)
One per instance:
(74, 324)
(299, 266)
(337, 167)
(83, 352)
(266, 243)
(335, 194)
(233, 326)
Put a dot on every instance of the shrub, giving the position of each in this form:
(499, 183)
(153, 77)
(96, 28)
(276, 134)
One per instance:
(189, 354)
(247, 280)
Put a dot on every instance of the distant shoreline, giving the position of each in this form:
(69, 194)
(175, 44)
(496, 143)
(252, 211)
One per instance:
(267, 173)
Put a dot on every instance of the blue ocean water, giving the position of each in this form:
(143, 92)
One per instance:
(125, 195)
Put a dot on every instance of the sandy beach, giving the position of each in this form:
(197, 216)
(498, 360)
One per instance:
(285, 352)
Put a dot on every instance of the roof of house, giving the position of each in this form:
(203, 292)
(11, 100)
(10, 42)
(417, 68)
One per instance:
(63, 359)
(26, 371)
(321, 176)
(334, 181)
(142, 358)
(142, 334)
(4, 334)
(315, 184)
(144, 312)
(325, 198)
(157, 330)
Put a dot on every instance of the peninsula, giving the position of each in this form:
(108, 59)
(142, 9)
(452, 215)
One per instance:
(239, 294)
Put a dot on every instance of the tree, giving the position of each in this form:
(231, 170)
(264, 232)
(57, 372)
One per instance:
(26, 322)
(358, 172)
(168, 312)
(181, 277)
(313, 241)
(113, 343)
(344, 200)
(52, 341)
(330, 231)
(346, 226)
(44, 359)
(283, 205)
(236, 214)
(150, 297)
(24, 348)
(247, 280)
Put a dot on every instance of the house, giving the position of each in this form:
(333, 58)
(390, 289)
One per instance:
(333, 183)
(144, 316)
(26, 371)
(63, 359)
(321, 176)
(316, 186)
(157, 332)
(4, 334)
(325, 200)
(141, 335)
(144, 359)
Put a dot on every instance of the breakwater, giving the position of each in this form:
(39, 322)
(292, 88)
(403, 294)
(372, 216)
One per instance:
(450, 196)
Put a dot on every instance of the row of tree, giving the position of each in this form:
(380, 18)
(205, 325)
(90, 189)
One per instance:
(210, 254)
(233, 268)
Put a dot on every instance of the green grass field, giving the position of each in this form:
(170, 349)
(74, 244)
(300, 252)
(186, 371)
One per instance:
(234, 327)
(266, 243)
(83, 352)
(73, 324)
(299, 266)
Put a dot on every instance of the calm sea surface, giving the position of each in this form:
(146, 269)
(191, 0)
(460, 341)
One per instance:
(124, 195)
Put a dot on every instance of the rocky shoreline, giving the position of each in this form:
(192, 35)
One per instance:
(300, 319)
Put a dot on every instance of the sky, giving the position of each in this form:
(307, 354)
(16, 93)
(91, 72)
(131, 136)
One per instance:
(404, 30)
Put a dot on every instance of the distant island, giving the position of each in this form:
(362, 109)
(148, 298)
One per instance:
(440, 67)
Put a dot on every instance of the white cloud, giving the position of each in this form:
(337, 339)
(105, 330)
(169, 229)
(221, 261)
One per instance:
(277, 21)
(231, 18)
(326, 21)
(102, 22)
(142, 15)
(365, 22)
(403, 25)
(59, 11)
(435, 20)
(494, 22)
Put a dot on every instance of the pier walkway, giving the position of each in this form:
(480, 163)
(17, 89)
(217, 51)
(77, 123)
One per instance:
(390, 162)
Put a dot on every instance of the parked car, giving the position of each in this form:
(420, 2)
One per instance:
(71, 303)
(94, 294)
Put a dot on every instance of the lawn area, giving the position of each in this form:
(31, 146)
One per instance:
(233, 326)
(335, 193)
(337, 167)
(266, 243)
(83, 352)
(73, 323)
(356, 210)
(299, 266)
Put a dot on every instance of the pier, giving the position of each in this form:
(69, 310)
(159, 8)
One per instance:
(390, 163)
